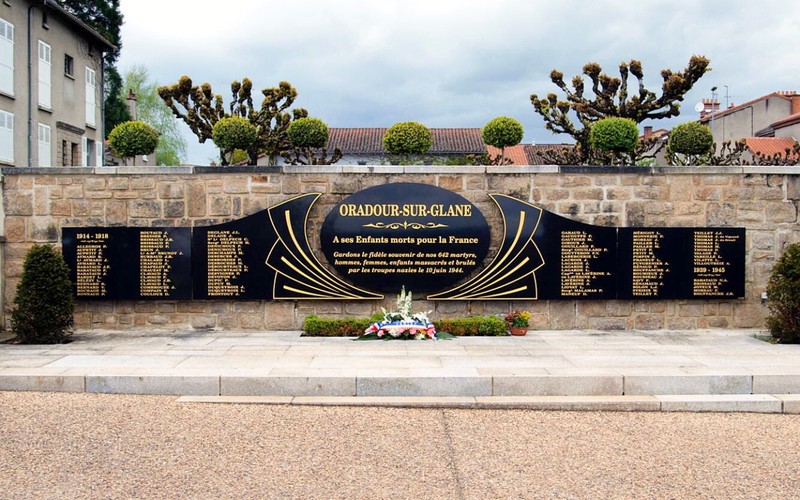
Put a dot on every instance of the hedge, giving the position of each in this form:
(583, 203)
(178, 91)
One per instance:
(314, 326)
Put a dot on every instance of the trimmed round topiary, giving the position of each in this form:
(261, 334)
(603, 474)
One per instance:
(783, 297)
(234, 132)
(619, 135)
(691, 138)
(133, 138)
(44, 304)
(308, 133)
(502, 132)
(407, 138)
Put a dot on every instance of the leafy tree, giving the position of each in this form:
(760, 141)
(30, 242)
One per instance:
(612, 99)
(616, 135)
(783, 297)
(689, 144)
(151, 109)
(201, 109)
(105, 17)
(407, 138)
(133, 138)
(308, 138)
(231, 133)
(502, 132)
(44, 304)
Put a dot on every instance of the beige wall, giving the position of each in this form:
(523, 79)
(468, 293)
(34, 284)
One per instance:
(68, 94)
(39, 202)
(747, 121)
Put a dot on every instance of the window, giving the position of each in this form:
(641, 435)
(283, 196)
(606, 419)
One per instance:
(45, 158)
(6, 136)
(45, 53)
(6, 57)
(45, 25)
(89, 153)
(69, 64)
(90, 97)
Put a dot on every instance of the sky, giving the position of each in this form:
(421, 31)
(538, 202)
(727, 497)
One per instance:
(447, 63)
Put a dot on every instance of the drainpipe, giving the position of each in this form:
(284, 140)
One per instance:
(30, 87)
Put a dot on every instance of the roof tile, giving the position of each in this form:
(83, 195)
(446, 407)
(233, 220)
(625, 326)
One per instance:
(769, 146)
(370, 140)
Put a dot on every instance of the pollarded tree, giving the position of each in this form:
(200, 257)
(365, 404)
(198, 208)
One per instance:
(689, 144)
(407, 138)
(502, 132)
(612, 99)
(232, 133)
(308, 138)
(615, 135)
(201, 109)
(133, 138)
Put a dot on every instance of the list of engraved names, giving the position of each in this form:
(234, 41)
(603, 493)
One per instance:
(579, 272)
(225, 262)
(649, 271)
(710, 267)
(92, 264)
(155, 263)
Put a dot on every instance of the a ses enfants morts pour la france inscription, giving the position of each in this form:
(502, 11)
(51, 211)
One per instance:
(428, 239)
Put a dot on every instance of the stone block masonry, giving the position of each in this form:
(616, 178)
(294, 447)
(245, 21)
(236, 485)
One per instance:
(38, 202)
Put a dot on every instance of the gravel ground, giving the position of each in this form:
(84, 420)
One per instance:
(110, 446)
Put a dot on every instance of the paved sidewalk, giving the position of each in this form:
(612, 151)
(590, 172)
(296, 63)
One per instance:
(717, 370)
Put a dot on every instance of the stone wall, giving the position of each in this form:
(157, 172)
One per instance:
(39, 202)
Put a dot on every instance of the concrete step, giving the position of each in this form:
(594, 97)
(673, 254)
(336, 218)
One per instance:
(751, 403)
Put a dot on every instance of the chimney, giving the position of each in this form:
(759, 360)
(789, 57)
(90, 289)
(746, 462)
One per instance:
(709, 106)
(131, 103)
(795, 104)
(648, 131)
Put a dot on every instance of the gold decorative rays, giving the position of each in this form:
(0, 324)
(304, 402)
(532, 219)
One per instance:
(512, 273)
(298, 273)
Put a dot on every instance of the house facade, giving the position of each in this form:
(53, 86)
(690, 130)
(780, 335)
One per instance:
(51, 87)
(773, 115)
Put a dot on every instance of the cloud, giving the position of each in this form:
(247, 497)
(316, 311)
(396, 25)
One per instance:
(455, 63)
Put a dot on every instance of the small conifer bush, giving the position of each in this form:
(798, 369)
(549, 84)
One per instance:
(783, 297)
(44, 304)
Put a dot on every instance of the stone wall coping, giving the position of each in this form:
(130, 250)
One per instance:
(407, 169)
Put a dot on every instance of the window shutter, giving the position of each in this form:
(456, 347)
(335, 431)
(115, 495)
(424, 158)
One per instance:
(6, 57)
(6, 136)
(86, 152)
(90, 97)
(45, 53)
(99, 151)
(45, 159)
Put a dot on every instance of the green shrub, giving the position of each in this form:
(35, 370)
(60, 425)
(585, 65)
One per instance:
(44, 305)
(234, 132)
(308, 133)
(487, 326)
(783, 297)
(407, 138)
(352, 327)
(502, 132)
(618, 135)
(133, 138)
(690, 138)
(315, 326)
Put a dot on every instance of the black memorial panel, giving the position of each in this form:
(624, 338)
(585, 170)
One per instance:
(414, 235)
(121, 263)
